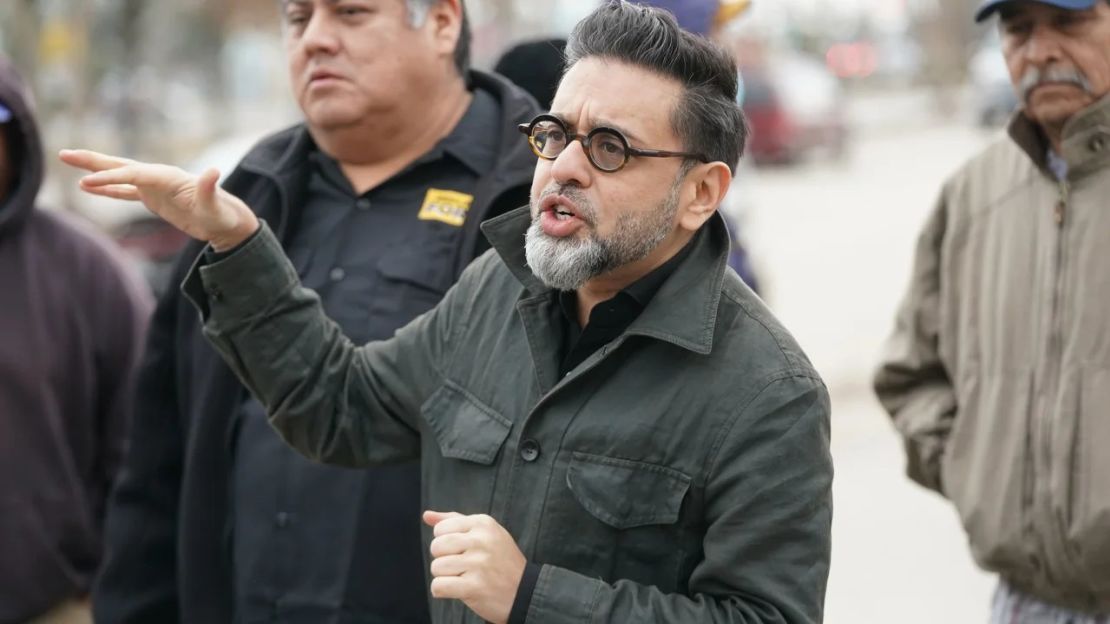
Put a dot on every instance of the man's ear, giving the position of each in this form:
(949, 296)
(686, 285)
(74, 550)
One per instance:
(705, 188)
(445, 18)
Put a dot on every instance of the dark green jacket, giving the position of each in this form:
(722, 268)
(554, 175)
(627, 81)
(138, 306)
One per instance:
(679, 474)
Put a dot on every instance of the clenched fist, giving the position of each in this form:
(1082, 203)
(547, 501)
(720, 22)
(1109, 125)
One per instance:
(475, 560)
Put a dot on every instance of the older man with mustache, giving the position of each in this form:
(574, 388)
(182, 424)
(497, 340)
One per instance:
(998, 373)
(376, 197)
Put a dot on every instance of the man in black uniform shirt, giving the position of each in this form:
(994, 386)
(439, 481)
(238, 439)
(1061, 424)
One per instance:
(376, 197)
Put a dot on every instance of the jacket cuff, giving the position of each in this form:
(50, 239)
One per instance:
(562, 596)
(519, 612)
(212, 256)
(241, 283)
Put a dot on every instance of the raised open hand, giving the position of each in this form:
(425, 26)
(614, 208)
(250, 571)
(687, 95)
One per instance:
(191, 203)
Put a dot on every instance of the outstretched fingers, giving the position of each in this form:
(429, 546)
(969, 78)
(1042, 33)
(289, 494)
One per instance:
(92, 161)
(125, 192)
(142, 175)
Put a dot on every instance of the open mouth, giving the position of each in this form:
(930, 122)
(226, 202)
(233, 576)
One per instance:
(560, 207)
(559, 216)
(563, 214)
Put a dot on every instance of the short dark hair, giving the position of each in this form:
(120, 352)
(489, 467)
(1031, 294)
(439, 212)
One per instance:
(708, 120)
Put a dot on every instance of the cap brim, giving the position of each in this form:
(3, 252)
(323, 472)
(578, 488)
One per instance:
(991, 7)
(987, 10)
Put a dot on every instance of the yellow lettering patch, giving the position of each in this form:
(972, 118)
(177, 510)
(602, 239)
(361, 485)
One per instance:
(449, 207)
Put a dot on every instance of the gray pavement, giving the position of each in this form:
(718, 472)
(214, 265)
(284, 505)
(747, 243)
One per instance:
(833, 241)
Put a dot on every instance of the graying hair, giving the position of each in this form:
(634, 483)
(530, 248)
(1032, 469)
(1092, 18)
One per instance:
(708, 119)
(418, 12)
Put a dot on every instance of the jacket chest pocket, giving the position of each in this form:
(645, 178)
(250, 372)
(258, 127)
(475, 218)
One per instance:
(620, 519)
(465, 439)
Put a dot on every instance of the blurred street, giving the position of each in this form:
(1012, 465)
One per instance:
(834, 241)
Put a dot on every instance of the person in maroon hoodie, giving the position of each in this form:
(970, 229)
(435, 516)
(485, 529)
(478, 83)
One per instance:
(72, 320)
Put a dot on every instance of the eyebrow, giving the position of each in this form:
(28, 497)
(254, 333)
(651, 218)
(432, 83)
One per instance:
(631, 136)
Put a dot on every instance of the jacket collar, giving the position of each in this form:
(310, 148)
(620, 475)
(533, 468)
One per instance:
(683, 312)
(1086, 144)
(277, 155)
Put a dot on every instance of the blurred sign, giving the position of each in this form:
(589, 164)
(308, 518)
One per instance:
(60, 42)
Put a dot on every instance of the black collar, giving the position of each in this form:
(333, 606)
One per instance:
(623, 308)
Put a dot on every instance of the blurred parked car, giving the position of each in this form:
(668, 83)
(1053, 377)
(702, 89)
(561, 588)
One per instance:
(795, 106)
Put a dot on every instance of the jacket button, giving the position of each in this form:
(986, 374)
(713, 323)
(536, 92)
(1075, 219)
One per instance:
(214, 293)
(337, 274)
(529, 450)
(1097, 144)
(363, 204)
(281, 520)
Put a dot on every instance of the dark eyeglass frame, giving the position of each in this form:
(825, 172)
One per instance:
(629, 151)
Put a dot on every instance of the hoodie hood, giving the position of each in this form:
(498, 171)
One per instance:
(24, 146)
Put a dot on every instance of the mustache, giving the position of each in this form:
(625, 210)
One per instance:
(1033, 78)
(575, 194)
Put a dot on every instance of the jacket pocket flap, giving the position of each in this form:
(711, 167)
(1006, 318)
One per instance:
(464, 427)
(624, 493)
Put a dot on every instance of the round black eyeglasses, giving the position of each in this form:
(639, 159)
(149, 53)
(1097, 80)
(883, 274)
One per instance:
(606, 148)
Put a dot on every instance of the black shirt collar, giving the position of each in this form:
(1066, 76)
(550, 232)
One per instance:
(473, 142)
(626, 305)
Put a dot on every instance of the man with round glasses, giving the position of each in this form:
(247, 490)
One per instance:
(606, 148)
(612, 427)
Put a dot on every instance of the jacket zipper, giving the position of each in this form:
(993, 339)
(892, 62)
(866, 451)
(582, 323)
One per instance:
(1061, 211)
(1054, 368)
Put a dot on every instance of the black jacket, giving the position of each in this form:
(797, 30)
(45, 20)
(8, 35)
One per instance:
(169, 541)
(72, 319)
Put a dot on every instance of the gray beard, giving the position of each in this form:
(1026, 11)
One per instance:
(568, 263)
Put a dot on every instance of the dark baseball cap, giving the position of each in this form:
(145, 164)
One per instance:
(990, 6)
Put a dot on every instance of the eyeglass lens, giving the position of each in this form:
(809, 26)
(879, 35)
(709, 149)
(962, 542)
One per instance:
(606, 149)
